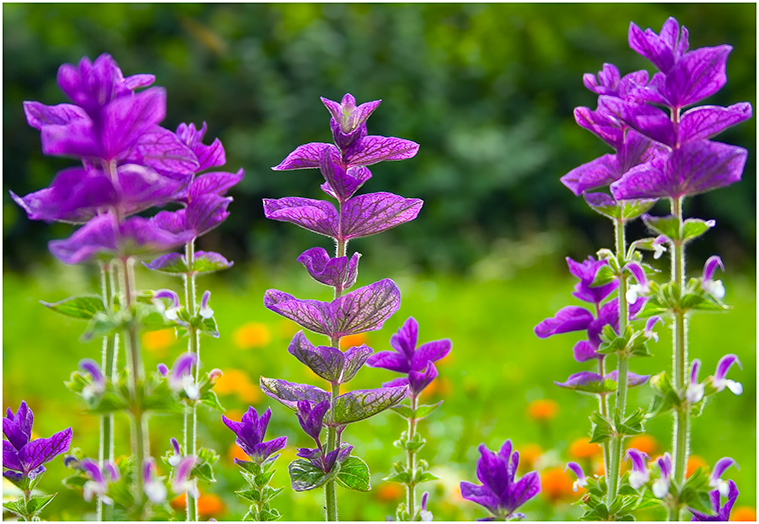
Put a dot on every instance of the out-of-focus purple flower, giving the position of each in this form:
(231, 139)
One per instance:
(181, 481)
(208, 156)
(648, 331)
(722, 513)
(176, 456)
(97, 387)
(205, 310)
(586, 271)
(640, 474)
(715, 479)
(660, 487)
(695, 391)
(608, 81)
(708, 284)
(586, 379)
(22, 456)
(364, 309)
(336, 272)
(250, 432)
(567, 319)
(154, 487)
(163, 370)
(311, 417)
(97, 485)
(180, 377)
(500, 493)
(100, 236)
(641, 288)
(424, 514)
(582, 480)
(201, 215)
(172, 312)
(416, 363)
(723, 366)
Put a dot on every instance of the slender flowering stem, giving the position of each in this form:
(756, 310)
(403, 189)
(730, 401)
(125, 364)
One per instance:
(109, 356)
(191, 417)
(622, 366)
(411, 460)
(680, 354)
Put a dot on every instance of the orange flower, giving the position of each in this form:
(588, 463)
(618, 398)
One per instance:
(581, 448)
(694, 462)
(744, 513)
(209, 505)
(235, 381)
(542, 410)
(645, 443)
(353, 340)
(159, 341)
(390, 491)
(557, 485)
(527, 455)
(251, 335)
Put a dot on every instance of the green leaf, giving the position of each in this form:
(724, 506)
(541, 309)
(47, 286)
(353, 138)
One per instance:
(354, 474)
(36, 503)
(633, 425)
(304, 476)
(424, 410)
(18, 507)
(361, 404)
(75, 481)
(103, 325)
(81, 306)
(605, 275)
(403, 410)
(250, 467)
(424, 476)
(208, 262)
(210, 399)
(208, 326)
(207, 455)
(268, 515)
(668, 226)
(204, 471)
(250, 494)
(695, 227)
(404, 477)
(602, 429)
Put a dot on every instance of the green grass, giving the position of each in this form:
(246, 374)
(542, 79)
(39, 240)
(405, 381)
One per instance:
(497, 367)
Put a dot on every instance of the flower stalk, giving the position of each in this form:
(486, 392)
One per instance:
(191, 416)
(109, 364)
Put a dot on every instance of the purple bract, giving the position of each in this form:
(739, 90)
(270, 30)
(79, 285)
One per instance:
(250, 433)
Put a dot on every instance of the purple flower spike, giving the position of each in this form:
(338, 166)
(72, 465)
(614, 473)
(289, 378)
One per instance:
(250, 432)
(695, 391)
(586, 271)
(708, 284)
(330, 271)
(715, 479)
(22, 456)
(720, 382)
(208, 156)
(364, 309)
(348, 117)
(154, 488)
(311, 417)
(570, 318)
(500, 493)
(182, 482)
(660, 487)
(98, 380)
(582, 480)
(722, 513)
(663, 50)
(640, 473)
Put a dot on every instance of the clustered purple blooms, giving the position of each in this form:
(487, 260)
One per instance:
(23, 458)
(721, 513)
(416, 363)
(250, 432)
(500, 493)
(129, 163)
(311, 419)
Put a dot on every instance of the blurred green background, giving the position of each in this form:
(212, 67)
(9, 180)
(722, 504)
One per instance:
(488, 91)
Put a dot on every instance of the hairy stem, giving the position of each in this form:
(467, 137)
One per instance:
(681, 430)
(411, 462)
(622, 367)
(108, 363)
(603, 405)
(191, 416)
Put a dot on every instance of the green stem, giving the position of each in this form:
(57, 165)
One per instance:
(681, 430)
(622, 367)
(140, 443)
(411, 462)
(191, 417)
(108, 363)
(603, 405)
(673, 513)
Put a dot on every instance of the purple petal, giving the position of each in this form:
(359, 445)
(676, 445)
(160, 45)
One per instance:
(305, 156)
(373, 213)
(720, 467)
(659, 50)
(167, 294)
(598, 173)
(208, 156)
(430, 352)
(632, 379)
(216, 183)
(175, 445)
(638, 272)
(647, 120)
(330, 271)
(315, 215)
(289, 393)
(390, 360)
(665, 465)
(92, 470)
(418, 380)
(343, 181)
(39, 115)
(584, 351)
(161, 150)
(711, 267)
(137, 81)
(699, 74)
(183, 469)
(264, 450)
(576, 469)
(480, 495)
(492, 471)
(355, 357)
(10, 457)
(93, 368)
(311, 418)
(600, 124)
(724, 365)
(163, 370)
(76, 138)
(206, 213)
(327, 362)
(583, 378)
(183, 365)
(694, 369)
(126, 119)
(372, 149)
(526, 488)
(570, 318)
(42, 450)
(404, 341)
(638, 458)
(707, 121)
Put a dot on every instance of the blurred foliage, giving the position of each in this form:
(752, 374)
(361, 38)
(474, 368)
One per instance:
(487, 90)
(497, 383)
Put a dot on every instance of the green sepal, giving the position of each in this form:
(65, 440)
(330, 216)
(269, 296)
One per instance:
(209, 327)
(622, 209)
(598, 512)
(157, 396)
(695, 227)
(177, 265)
(423, 476)
(633, 425)
(403, 477)
(605, 275)
(210, 399)
(81, 306)
(354, 474)
(413, 445)
(38, 502)
(602, 428)
(669, 226)
(304, 476)
(75, 481)
(249, 467)
(104, 325)
(425, 409)
(627, 489)
(665, 398)
(403, 410)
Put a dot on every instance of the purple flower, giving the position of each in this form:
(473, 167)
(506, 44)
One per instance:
(570, 318)
(708, 284)
(500, 493)
(424, 514)
(22, 456)
(153, 486)
(640, 474)
(250, 433)
(182, 481)
(594, 383)
(205, 310)
(180, 377)
(100, 236)
(660, 487)
(199, 217)
(723, 366)
(582, 480)
(172, 312)
(311, 417)
(416, 363)
(586, 271)
(364, 309)
(208, 156)
(176, 457)
(97, 387)
(97, 485)
(336, 272)
(695, 391)
(715, 479)
(722, 512)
